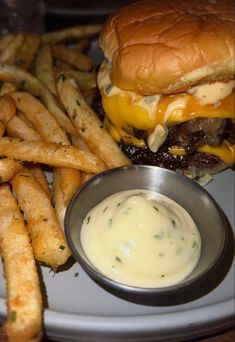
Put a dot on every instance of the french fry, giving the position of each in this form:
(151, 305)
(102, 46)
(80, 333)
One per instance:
(47, 238)
(72, 33)
(64, 186)
(28, 51)
(88, 124)
(7, 111)
(81, 45)
(5, 40)
(2, 128)
(18, 128)
(44, 68)
(62, 65)
(85, 80)
(86, 177)
(68, 184)
(8, 168)
(58, 199)
(7, 88)
(24, 118)
(88, 96)
(51, 154)
(8, 55)
(7, 108)
(40, 117)
(80, 143)
(77, 59)
(40, 176)
(24, 300)
(26, 81)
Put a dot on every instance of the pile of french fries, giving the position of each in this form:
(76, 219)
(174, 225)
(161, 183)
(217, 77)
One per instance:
(47, 84)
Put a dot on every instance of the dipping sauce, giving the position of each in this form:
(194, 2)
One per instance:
(141, 238)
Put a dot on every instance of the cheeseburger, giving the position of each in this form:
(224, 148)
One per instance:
(167, 83)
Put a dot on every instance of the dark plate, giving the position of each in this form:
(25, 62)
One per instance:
(83, 7)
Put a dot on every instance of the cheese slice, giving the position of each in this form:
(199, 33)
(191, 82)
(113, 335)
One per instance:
(226, 151)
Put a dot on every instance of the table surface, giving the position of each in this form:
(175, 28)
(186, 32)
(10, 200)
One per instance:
(225, 336)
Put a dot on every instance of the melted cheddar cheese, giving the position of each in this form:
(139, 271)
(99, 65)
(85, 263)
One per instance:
(126, 109)
(225, 151)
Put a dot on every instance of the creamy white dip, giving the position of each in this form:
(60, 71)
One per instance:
(141, 238)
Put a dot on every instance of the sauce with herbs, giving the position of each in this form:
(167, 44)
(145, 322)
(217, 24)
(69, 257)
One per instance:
(141, 238)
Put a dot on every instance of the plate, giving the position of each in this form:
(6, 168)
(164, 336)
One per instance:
(80, 310)
(83, 7)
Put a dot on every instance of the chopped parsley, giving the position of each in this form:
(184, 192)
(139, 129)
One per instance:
(158, 236)
(88, 219)
(62, 77)
(62, 247)
(23, 84)
(13, 315)
(118, 259)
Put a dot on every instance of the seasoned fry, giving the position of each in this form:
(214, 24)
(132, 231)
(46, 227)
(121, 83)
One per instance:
(47, 238)
(88, 124)
(75, 32)
(86, 177)
(7, 111)
(28, 51)
(58, 199)
(8, 55)
(18, 128)
(80, 143)
(62, 65)
(24, 300)
(28, 82)
(40, 117)
(85, 80)
(2, 128)
(88, 96)
(68, 184)
(44, 68)
(7, 108)
(24, 118)
(8, 168)
(5, 40)
(81, 45)
(75, 58)
(51, 154)
(39, 175)
(64, 186)
(7, 88)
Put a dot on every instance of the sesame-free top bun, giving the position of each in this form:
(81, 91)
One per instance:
(167, 46)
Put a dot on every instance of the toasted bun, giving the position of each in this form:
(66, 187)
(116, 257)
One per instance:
(168, 46)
